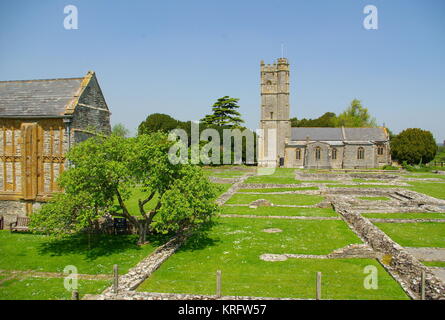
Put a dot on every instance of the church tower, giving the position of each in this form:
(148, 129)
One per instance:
(275, 118)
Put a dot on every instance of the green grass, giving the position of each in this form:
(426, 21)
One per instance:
(422, 234)
(280, 176)
(234, 246)
(20, 251)
(360, 186)
(280, 211)
(436, 190)
(46, 288)
(223, 187)
(272, 180)
(374, 198)
(284, 199)
(425, 176)
(265, 190)
(407, 215)
(440, 264)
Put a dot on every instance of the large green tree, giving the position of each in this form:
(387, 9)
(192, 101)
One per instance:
(415, 146)
(158, 122)
(224, 113)
(107, 171)
(356, 116)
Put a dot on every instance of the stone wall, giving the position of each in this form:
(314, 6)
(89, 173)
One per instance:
(402, 265)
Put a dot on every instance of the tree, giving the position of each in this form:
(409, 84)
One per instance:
(120, 130)
(158, 122)
(327, 120)
(107, 171)
(415, 146)
(356, 116)
(224, 113)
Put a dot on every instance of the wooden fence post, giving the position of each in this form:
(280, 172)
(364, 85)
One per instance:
(218, 283)
(318, 295)
(115, 278)
(422, 285)
(74, 295)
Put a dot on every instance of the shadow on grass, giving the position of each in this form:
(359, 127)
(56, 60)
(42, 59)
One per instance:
(98, 245)
(200, 238)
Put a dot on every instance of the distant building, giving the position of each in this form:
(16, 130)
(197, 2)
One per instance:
(39, 121)
(311, 147)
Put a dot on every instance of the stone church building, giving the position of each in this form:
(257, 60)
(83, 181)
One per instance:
(39, 121)
(281, 145)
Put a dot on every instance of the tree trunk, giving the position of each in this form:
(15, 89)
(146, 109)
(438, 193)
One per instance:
(142, 231)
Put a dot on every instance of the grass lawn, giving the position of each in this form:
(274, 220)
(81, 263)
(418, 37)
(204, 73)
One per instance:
(280, 211)
(272, 180)
(285, 199)
(360, 186)
(436, 190)
(368, 180)
(407, 215)
(234, 246)
(265, 190)
(422, 234)
(25, 251)
(46, 288)
(374, 198)
(280, 176)
(440, 264)
(224, 187)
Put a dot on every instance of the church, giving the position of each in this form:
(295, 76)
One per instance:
(307, 147)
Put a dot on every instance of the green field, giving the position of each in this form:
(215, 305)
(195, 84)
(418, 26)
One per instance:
(25, 251)
(234, 246)
(436, 190)
(283, 199)
(422, 234)
(46, 288)
(407, 215)
(267, 190)
(280, 211)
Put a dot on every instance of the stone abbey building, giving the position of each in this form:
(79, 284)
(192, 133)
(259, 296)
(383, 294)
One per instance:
(39, 121)
(336, 148)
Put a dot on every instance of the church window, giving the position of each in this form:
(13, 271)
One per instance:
(334, 154)
(271, 115)
(317, 153)
(269, 82)
(298, 154)
(380, 150)
(361, 153)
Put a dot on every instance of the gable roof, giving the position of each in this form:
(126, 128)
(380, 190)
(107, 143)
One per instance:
(41, 98)
(317, 134)
(338, 134)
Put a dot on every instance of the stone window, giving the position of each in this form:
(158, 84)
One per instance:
(271, 115)
(268, 82)
(317, 153)
(361, 153)
(380, 150)
(334, 154)
(298, 154)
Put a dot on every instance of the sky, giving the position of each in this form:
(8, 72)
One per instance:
(179, 57)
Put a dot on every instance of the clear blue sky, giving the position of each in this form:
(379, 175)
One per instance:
(178, 57)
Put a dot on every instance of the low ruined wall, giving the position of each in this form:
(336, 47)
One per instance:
(396, 259)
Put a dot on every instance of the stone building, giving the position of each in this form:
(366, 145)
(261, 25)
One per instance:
(281, 145)
(39, 121)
